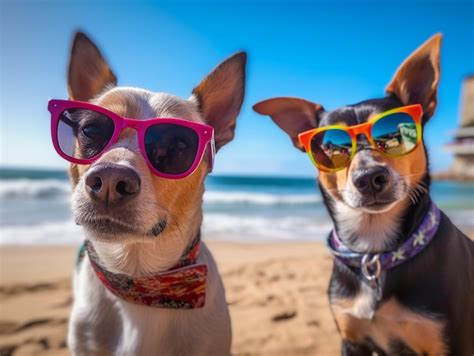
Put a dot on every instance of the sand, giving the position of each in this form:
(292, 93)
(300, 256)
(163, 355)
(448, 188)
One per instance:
(276, 294)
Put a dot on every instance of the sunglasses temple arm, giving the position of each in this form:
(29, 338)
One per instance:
(211, 152)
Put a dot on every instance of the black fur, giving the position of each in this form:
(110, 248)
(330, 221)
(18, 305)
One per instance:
(438, 282)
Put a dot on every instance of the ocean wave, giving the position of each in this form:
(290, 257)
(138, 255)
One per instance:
(51, 188)
(30, 188)
(232, 197)
(53, 233)
(215, 227)
(464, 219)
(256, 228)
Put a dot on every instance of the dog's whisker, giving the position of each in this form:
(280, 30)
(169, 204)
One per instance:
(415, 192)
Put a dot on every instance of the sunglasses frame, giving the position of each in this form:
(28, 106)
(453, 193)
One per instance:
(415, 111)
(205, 134)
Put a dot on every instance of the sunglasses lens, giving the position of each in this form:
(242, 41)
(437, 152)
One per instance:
(395, 134)
(171, 148)
(82, 133)
(331, 149)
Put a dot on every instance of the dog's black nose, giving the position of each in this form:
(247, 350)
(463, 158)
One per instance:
(373, 180)
(110, 184)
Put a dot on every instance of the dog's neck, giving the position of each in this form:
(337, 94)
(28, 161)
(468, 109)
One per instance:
(142, 258)
(373, 233)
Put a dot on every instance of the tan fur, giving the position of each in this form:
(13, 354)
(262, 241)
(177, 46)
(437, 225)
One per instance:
(88, 71)
(391, 321)
(180, 195)
(411, 167)
(292, 115)
(74, 174)
(377, 232)
(413, 72)
(216, 99)
(334, 182)
(99, 319)
(374, 231)
(183, 197)
(122, 103)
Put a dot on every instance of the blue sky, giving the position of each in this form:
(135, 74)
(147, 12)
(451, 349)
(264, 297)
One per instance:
(330, 52)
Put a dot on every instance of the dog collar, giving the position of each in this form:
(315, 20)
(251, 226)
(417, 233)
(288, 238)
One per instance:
(387, 260)
(181, 287)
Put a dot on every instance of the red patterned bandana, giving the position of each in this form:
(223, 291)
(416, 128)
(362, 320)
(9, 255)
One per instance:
(181, 287)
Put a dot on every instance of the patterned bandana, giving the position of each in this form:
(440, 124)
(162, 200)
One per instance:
(410, 248)
(181, 287)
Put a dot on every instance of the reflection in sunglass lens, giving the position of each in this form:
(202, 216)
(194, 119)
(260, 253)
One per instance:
(395, 134)
(82, 133)
(331, 148)
(170, 148)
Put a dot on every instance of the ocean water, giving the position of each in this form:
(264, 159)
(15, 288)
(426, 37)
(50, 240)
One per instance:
(35, 208)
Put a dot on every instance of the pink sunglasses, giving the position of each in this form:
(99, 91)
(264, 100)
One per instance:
(173, 148)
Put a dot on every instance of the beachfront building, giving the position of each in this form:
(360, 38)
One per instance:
(463, 144)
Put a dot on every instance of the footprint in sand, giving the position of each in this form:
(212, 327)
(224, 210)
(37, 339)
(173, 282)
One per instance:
(284, 316)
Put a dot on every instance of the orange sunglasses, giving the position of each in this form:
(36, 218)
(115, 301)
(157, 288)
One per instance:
(394, 133)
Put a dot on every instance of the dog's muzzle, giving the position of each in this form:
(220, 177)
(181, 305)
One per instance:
(110, 185)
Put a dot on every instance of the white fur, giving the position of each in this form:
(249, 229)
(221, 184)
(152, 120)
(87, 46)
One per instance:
(363, 305)
(372, 232)
(366, 230)
(100, 322)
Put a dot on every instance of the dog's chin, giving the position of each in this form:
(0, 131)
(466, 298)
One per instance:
(373, 205)
(378, 207)
(110, 230)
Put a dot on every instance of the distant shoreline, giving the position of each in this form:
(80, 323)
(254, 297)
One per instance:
(9, 172)
(36, 207)
(453, 177)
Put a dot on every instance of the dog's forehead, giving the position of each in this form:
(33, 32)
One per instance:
(358, 113)
(142, 104)
(345, 115)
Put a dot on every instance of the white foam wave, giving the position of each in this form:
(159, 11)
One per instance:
(215, 227)
(462, 218)
(251, 228)
(57, 233)
(29, 188)
(214, 197)
(51, 188)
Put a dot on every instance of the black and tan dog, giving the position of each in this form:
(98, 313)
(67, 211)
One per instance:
(388, 297)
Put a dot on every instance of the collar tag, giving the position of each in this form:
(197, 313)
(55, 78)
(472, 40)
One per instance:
(371, 269)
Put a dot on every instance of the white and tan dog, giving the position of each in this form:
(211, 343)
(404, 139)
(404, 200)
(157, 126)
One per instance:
(150, 233)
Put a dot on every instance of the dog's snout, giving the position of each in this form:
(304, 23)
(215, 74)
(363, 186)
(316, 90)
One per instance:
(112, 184)
(373, 180)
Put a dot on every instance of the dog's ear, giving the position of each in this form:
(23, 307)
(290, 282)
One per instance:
(416, 80)
(220, 96)
(88, 72)
(292, 115)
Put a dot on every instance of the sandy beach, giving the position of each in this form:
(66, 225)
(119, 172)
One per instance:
(276, 293)
(276, 275)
